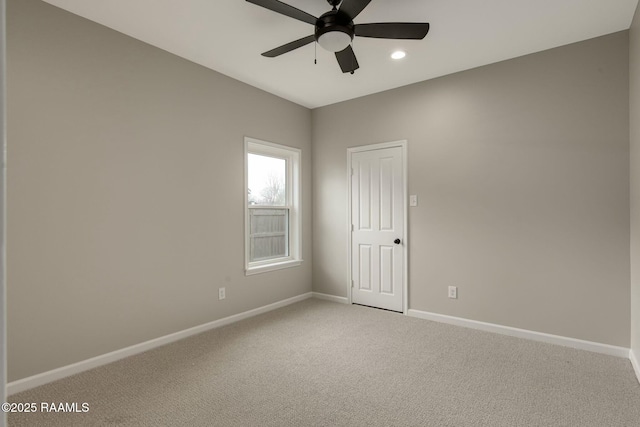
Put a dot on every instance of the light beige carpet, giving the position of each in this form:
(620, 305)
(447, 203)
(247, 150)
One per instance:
(318, 363)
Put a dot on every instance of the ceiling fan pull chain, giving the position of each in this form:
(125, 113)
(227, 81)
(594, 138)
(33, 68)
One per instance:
(315, 53)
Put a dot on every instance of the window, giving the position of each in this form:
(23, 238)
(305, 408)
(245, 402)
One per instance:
(272, 214)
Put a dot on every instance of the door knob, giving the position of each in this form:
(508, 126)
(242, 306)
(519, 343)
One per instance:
(397, 241)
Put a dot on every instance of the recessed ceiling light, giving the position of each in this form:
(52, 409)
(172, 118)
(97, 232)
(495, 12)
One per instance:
(398, 54)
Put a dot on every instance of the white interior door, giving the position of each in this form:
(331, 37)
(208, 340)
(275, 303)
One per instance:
(377, 218)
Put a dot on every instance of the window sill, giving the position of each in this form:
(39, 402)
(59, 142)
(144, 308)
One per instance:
(272, 267)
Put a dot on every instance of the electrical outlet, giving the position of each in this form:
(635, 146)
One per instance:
(453, 292)
(221, 293)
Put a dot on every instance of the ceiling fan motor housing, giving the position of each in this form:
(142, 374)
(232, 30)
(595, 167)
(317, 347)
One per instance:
(331, 28)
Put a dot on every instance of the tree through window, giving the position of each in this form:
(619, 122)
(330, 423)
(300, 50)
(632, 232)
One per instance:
(267, 180)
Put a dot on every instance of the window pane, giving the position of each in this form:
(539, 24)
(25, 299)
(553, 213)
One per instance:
(268, 233)
(267, 180)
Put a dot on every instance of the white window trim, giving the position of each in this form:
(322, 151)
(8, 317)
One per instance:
(293, 157)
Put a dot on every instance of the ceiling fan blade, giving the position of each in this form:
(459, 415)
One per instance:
(285, 9)
(393, 30)
(353, 7)
(347, 60)
(289, 47)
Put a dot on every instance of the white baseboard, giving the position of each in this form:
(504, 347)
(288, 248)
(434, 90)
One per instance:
(524, 333)
(327, 297)
(75, 368)
(635, 364)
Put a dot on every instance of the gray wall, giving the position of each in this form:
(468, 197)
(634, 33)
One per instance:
(522, 173)
(125, 190)
(634, 105)
(3, 134)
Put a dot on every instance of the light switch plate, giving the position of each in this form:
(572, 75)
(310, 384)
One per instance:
(413, 200)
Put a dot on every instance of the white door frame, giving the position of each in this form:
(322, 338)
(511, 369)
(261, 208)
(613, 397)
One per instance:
(405, 238)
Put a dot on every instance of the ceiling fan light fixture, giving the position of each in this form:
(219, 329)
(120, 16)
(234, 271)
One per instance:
(334, 41)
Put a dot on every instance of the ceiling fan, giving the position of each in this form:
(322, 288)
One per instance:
(335, 29)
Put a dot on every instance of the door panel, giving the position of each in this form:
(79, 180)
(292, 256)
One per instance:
(365, 268)
(377, 212)
(364, 190)
(386, 269)
(386, 194)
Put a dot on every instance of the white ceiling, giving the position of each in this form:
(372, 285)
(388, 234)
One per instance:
(229, 35)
